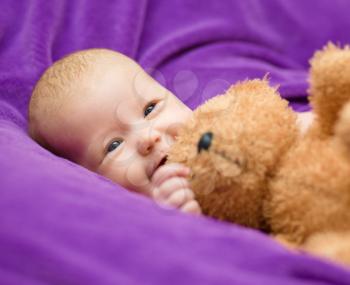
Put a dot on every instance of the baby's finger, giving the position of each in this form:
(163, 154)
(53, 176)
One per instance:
(169, 170)
(191, 207)
(171, 185)
(179, 198)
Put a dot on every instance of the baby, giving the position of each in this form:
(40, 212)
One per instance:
(101, 110)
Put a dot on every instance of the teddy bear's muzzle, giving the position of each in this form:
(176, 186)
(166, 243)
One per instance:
(228, 163)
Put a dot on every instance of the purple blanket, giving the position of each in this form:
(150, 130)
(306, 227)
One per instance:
(62, 224)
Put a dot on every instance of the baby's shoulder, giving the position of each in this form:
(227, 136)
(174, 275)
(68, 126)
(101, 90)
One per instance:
(304, 120)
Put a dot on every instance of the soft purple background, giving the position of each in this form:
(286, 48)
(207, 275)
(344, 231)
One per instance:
(61, 224)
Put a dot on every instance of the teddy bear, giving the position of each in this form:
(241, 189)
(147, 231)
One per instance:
(251, 165)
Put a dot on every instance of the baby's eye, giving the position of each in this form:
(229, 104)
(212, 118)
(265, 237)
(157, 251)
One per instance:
(149, 109)
(113, 145)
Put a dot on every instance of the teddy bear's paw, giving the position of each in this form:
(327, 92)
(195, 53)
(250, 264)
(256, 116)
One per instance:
(334, 246)
(342, 128)
(285, 241)
(329, 84)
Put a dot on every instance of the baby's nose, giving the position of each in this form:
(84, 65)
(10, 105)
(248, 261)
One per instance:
(147, 141)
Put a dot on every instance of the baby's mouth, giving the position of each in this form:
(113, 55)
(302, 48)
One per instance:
(154, 168)
(162, 162)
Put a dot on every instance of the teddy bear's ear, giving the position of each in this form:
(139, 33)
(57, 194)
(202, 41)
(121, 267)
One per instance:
(250, 86)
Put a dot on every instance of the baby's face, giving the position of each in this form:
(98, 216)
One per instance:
(119, 123)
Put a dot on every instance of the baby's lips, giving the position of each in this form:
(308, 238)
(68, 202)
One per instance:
(153, 166)
(150, 169)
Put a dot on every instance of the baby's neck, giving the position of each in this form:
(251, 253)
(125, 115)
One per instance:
(304, 121)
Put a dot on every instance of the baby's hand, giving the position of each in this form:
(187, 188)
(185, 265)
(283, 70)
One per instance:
(171, 188)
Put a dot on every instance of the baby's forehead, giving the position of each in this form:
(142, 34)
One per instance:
(97, 74)
(84, 62)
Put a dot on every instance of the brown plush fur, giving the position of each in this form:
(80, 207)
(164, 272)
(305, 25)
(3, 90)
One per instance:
(260, 172)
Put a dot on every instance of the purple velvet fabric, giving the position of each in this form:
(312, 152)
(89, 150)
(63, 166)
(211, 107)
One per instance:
(62, 224)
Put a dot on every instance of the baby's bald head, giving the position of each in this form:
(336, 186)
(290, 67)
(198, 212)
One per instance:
(59, 83)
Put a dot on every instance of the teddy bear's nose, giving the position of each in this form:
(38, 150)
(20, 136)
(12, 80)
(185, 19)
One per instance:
(205, 141)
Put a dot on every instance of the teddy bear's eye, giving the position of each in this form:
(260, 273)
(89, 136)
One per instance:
(205, 141)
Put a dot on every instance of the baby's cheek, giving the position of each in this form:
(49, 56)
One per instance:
(131, 175)
(136, 176)
(181, 121)
(173, 131)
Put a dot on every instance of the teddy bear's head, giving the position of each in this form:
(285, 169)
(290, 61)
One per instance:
(232, 144)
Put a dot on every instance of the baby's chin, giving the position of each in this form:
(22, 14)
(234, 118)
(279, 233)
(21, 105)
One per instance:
(140, 186)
